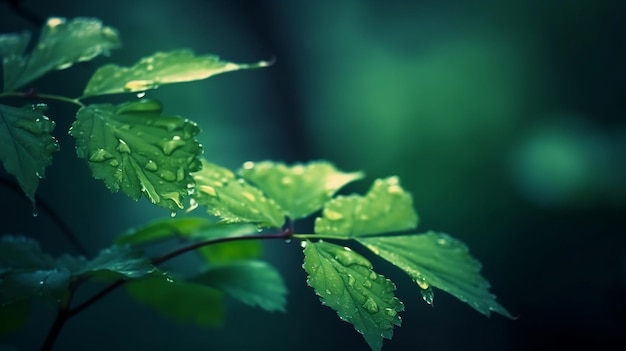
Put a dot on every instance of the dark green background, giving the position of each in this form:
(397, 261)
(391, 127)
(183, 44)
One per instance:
(505, 119)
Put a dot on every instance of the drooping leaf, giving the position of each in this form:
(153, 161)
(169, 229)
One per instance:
(232, 199)
(385, 208)
(435, 259)
(134, 148)
(300, 189)
(184, 301)
(159, 69)
(13, 317)
(255, 283)
(61, 44)
(27, 146)
(27, 272)
(345, 282)
(118, 262)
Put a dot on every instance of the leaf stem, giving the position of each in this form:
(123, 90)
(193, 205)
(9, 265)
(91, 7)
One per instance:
(34, 95)
(63, 315)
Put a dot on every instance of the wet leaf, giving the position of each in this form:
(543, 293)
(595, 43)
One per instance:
(118, 262)
(299, 189)
(27, 146)
(61, 44)
(385, 208)
(163, 229)
(345, 282)
(134, 148)
(438, 260)
(255, 283)
(181, 300)
(160, 69)
(232, 199)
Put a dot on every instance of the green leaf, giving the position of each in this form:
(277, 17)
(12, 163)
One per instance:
(231, 251)
(385, 208)
(13, 44)
(438, 260)
(134, 148)
(118, 262)
(159, 69)
(162, 229)
(255, 283)
(27, 272)
(61, 44)
(14, 316)
(232, 199)
(299, 189)
(346, 283)
(27, 146)
(183, 301)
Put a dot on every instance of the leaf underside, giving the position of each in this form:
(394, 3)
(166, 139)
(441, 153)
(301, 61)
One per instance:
(345, 282)
(27, 145)
(300, 189)
(134, 148)
(160, 69)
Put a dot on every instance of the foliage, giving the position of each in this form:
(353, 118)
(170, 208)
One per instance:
(134, 148)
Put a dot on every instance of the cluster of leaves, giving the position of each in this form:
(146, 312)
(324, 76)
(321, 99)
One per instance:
(134, 148)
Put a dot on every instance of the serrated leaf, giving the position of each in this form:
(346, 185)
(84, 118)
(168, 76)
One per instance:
(345, 282)
(181, 300)
(435, 259)
(159, 69)
(232, 199)
(14, 316)
(61, 44)
(27, 146)
(118, 262)
(255, 283)
(385, 208)
(134, 148)
(299, 189)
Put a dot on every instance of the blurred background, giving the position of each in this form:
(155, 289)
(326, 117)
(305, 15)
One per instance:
(505, 119)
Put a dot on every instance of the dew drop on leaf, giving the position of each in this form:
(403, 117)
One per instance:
(151, 166)
(367, 284)
(351, 280)
(370, 305)
(140, 95)
(248, 165)
(303, 244)
(173, 214)
(35, 211)
(391, 312)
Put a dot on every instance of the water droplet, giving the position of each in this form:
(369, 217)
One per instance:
(303, 244)
(422, 283)
(367, 284)
(140, 95)
(332, 215)
(151, 166)
(442, 241)
(328, 292)
(169, 280)
(209, 190)
(100, 155)
(347, 258)
(180, 174)
(351, 280)
(114, 163)
(248, 196)
(287, 241)
(35, 211)
(363, 217)
(428, 295)
(41, 282)
(286, 180)
(170, 146)
(394, 190)
(123, 147)
(140, 84)
(174, 196)
(390, 312)
(168, 175)
(173, 214)
(248, 165)
(373, 275)
(149, 67)
(298, 169)
(370, 305)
